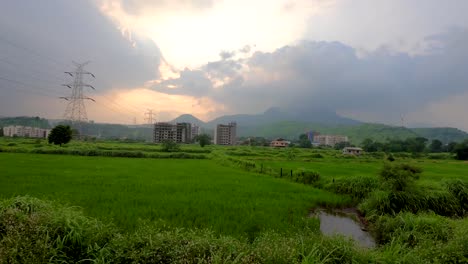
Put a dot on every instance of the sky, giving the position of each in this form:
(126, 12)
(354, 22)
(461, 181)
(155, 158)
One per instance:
(387, 61)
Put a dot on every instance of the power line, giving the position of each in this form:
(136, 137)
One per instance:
(8, 62)
(26, 86)
(35, 53)
(37, 78)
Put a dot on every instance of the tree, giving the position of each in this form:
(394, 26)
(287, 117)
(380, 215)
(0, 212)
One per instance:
(304, 141)
(369, 145)
(461, 150)
(60, 134)
(1, 131)
(342, 145)
(436, 146)
(203, 139)
(416, 145)
(451, 147)
(170, 146)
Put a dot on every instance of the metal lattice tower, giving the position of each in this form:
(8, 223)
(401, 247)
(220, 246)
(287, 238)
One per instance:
(150, 117)
(76, 110)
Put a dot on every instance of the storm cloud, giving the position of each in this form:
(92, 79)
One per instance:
(228, 58)
(333, 76)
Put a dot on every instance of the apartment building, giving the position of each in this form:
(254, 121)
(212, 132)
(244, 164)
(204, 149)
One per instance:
(329, 140)
(225, 134)
(179, 133)
(24, 131)
(195, 131)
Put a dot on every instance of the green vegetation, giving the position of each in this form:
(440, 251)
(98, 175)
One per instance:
(185, 194)
(60, 135)
(203, 139)
(36, 231)
(461, 150)
(100, 148)
(239, 204)
(170, 146)
(444, 134)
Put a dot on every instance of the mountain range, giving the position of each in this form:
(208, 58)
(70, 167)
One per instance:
(271, 124)
(276, 122)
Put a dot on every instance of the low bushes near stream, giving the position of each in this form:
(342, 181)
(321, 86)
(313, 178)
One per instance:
(36, 231)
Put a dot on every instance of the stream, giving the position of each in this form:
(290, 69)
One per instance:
(346, 224)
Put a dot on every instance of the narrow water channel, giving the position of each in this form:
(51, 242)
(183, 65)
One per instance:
(331, 224)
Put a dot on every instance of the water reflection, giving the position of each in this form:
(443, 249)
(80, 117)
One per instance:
(331, 224)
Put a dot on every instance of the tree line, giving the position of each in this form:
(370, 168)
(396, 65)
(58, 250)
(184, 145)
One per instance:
(417, 145)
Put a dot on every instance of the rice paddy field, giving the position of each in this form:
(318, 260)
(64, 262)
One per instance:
(184, 193)
(250, 201)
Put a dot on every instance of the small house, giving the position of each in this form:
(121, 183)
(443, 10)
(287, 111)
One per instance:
(352, 151)
(279, 143)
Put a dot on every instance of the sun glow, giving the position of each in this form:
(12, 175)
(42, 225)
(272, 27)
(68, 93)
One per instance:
(190, 37)
(125, 104)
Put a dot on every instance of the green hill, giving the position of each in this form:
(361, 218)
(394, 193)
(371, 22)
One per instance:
(444, 134)
(356, 133)
(24, 121)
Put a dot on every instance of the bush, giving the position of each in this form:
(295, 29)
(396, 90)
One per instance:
(306, 176)
(170, 146)
(34, 231)
(400, 176)
(410, 229)
(357, 187)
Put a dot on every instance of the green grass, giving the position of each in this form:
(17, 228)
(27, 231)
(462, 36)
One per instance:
(227, 212)
(184, 193)
(434, 172)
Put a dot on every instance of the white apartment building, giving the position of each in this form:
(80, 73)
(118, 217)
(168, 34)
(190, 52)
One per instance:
(24, 131)
(329, 140)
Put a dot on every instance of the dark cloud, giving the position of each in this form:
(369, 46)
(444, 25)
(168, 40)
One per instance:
(40, 39)
(190, 82)
(226, 54)
(330, 75)
(62, 31)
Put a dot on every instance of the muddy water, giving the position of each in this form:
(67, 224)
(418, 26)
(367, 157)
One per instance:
(342, 224)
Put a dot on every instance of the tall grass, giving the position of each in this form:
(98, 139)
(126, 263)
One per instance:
(37, 231)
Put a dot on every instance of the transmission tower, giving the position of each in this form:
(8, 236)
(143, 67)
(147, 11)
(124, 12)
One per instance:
(76, 110)
(149, 117)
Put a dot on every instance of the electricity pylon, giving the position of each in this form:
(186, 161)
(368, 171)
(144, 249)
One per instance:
(149, 117)
(76, 110)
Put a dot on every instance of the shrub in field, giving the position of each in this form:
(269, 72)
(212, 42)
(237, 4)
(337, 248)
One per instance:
(459, 190)
(411, 229)
(170, 146)
(306, 176)
(34, 231)
(399, 177)
(389, 202)
(357, 187)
